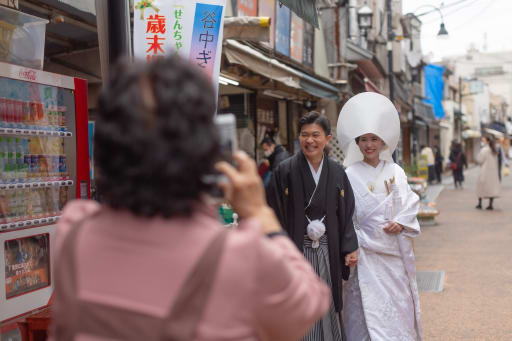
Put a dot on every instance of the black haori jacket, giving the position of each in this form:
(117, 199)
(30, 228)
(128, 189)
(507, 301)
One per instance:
(288, 194)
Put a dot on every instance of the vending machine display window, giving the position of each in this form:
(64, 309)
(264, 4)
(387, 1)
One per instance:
(27, 264)
(44, 163)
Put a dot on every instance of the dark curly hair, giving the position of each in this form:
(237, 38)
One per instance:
(155, 137)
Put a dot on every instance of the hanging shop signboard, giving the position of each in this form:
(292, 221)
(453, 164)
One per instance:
(283, 15)
(247, 8)
(191, 28)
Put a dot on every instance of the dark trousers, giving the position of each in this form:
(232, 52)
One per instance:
(431, 173)
(458, 176)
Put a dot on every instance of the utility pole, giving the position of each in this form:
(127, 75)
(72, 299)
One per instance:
(114, 33)
(391, 38)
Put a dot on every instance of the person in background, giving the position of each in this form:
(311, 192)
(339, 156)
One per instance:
(501, 157)
(488, 185)
(457, 162)
(152, 261)
(438, 164)
(314, 202)
(274, 153)
(427, 152)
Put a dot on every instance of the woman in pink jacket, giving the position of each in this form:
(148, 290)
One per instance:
(152, 261)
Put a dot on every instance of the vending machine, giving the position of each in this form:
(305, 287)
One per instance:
(44, 163)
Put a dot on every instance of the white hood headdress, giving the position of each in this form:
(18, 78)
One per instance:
(368, 113)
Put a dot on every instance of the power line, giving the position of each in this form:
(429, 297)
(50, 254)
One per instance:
(453, 11)
(441, 8)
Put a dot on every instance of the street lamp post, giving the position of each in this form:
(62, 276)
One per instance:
(365, 20)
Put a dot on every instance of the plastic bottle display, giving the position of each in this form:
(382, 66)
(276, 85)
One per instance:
(32, 203)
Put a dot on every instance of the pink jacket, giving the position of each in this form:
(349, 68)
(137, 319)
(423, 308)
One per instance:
(264, 288)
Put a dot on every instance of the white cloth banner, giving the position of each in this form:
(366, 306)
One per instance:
(192, 28)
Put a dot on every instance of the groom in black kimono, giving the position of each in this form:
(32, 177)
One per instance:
(296, 196)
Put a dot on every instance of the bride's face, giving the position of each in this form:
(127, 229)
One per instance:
(370, 145)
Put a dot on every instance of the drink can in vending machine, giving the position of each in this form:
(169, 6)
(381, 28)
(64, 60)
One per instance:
(33, 113)
(62, 118)
(63, 169)
(18, 113)
(43, 166)
(26, 114)
(40, 115)
(55, 166)
(28, 166)
(9, 108)
(3, 112)
(34, 167)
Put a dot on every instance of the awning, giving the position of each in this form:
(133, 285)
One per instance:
(366, 60)
(241, 54)
(471, 134)
(368, 84)
(305, 9)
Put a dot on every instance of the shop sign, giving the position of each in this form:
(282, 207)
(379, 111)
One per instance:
(267, 9)
(283, 15)
(309, 37)
(247, 8)
(190, 28)
(297, 38)
(27, 265)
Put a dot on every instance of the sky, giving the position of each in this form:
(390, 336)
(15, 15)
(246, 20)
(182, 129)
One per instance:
(467, 22)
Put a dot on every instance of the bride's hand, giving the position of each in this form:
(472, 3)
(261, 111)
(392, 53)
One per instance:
(393, 228)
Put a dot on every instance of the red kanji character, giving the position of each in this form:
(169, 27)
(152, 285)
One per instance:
(156, 24)
(155, 45)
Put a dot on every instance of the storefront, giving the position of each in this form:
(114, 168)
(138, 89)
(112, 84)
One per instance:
(270, 96)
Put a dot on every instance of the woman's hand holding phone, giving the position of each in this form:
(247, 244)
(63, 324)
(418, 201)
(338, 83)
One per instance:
(245, 192)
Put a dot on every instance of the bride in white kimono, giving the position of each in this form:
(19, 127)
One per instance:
(381, 300)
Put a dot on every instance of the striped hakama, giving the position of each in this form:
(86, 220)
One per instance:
(329, 328)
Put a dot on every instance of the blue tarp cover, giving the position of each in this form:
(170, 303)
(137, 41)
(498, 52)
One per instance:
(434, 87)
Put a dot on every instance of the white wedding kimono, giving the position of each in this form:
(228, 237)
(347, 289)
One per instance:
(381, 300)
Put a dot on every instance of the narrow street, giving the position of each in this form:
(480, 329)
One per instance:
(474, 249)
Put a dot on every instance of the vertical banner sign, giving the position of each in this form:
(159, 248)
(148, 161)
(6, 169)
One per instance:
(267, 8)
(191, 28)
(247, 8)
(309, 37)
(297, 38)
(282, 29)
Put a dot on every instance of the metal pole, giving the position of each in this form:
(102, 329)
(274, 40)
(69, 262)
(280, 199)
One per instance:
(391, 37)
(459, 120)
(119, 29)
(114, 32)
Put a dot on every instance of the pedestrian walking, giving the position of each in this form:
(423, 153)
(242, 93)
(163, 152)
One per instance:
(488, 185)
(152, 261)
(501, 157)
(457, 163)
(314, 201)
(381, 296)
(439, 159)
(427, 153)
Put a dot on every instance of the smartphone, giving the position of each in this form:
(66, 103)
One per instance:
(226, 125)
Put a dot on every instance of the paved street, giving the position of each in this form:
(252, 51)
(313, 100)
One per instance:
(474, 248)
